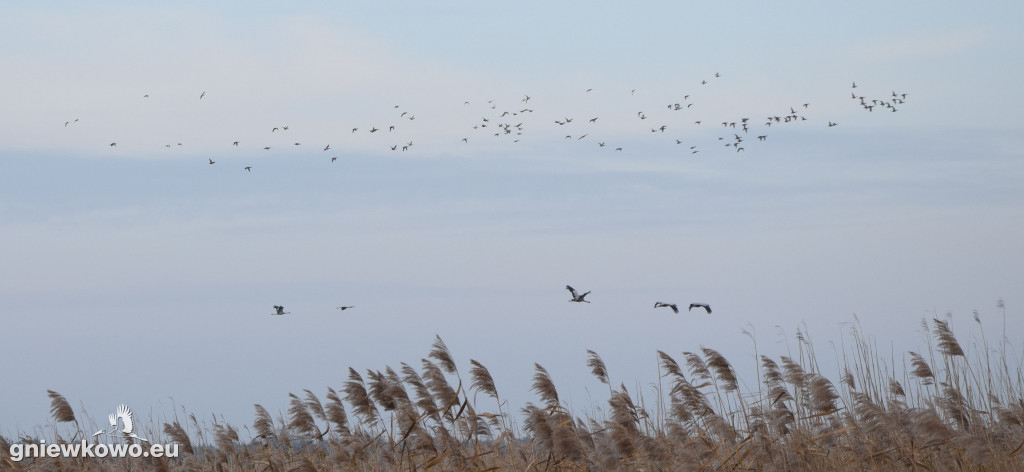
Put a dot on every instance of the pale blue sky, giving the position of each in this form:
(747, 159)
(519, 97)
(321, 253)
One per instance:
(116, 259)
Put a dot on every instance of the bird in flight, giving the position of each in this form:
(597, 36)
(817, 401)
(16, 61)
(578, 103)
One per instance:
(279, 310)
(248, 169)
(212, 161)
(700, 305)
(576, 297)
(673, 306)
(334, 159)
(202, 95)
(343, 308)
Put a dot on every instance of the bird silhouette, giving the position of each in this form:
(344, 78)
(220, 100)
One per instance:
(343, 308)
(576, 297)
(248, 169)
(670, 305)
(279, 310)
(700, 305)
(211, 162)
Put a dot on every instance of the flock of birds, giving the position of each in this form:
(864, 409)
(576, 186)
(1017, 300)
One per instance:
(279, 310)
(513, 122)
(576, 297)
(581, 298)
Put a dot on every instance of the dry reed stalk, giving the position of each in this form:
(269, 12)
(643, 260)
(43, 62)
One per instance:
(263, 424)
(670, 365)
(60, 409)
(544, 387)
(443, 393)
(597, 366)
(178, 435)
(299, 418)
(359, 399)
(947, 341)
(482, 380)
(335, 411)
(722, 369)
(439, 351)
(921, 369)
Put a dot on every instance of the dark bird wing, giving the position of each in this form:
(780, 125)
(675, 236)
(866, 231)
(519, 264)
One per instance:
(572, 291)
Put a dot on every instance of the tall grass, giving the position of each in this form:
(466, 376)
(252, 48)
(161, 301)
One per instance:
(933, 410)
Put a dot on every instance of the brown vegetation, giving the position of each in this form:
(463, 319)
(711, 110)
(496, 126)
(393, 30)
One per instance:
(941, 412)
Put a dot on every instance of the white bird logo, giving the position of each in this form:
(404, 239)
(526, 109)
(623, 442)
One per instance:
(125, 415)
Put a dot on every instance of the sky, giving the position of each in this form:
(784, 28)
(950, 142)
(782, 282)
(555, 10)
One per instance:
(143, 274)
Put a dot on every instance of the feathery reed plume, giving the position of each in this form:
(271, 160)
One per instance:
(921, 369)
(443, 393)
(597, 366)
(336, 413)
(697, 366)
(314, 405)
(778, 393)
(670, 365)
(823, 394)
(355, 395)
(263, 424)
(947, 342)
(772, 375)
(443, 356)
(224, 438)
(59, 408)
(482, 381)
(955, 406)
(396, 389)
(544, 387)
(537, 424)
(380, 391)
(722, 368)
(896, 389)
(423, 398)
(847, 379)
(794, 373)
(623, 424)
(178, 435)
(688, 403)
(300, 419)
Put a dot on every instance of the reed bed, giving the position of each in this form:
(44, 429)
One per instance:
(935, 410)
